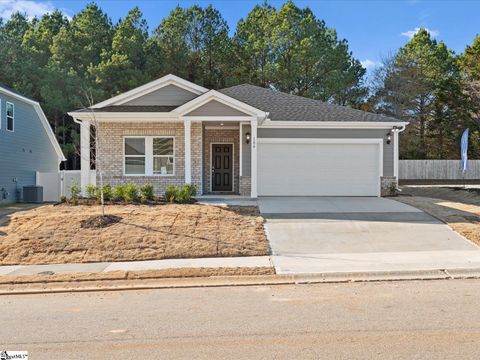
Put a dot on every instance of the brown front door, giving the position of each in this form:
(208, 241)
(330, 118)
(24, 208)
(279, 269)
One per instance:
(222, 167)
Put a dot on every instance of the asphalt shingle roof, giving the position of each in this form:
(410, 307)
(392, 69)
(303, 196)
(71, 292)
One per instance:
(286, 107)
(132, 108)
(15, 92)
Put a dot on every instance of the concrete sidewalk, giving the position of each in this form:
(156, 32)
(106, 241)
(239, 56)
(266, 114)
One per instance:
(103, 267)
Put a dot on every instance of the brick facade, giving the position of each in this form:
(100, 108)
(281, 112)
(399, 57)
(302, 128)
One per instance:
(110, 153)
(388, 186)
(245, 185)
(219, 136)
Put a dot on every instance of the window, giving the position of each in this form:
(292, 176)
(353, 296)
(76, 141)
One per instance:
(162, 156)
(149, 156)
(135, 155)
(10, 116)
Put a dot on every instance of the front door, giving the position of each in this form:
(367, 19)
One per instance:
(222, 167)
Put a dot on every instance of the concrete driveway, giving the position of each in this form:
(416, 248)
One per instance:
(342, 234)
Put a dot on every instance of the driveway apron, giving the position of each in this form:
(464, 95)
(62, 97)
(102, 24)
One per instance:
(360, 234)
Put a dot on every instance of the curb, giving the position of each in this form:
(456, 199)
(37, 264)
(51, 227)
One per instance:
(230, 281)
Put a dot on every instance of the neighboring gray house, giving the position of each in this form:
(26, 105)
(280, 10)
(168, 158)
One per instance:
(240, 140)
(27, 144)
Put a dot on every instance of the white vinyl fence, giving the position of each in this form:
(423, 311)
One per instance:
(57, 184)
(437, 170)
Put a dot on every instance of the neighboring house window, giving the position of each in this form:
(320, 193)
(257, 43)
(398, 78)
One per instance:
(10, 116)
(149, 156)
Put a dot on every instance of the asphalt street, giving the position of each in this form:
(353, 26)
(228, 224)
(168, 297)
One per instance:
(381, 320)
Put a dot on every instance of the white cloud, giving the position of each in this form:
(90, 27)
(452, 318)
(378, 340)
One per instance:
(29, 7)
(370, 64)
(411, 33)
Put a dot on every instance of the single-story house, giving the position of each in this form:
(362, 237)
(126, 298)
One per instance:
(27, 144)
(244, 139)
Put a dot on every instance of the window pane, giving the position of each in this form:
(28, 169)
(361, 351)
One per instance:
(9, 109)
(163, 165)
(134, 146)
(163, 146)
(135, 165)
(10, 123)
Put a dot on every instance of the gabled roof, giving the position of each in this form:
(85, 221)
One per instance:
(43, 119)
(214, 95)
(150, 87)
(286, 107)
(131, 108)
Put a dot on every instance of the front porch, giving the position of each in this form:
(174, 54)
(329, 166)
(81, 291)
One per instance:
(226, 154)
(209, 142)
(216, 156)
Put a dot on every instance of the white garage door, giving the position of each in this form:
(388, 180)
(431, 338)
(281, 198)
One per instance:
(319, 167)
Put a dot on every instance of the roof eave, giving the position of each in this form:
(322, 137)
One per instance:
(333, 124)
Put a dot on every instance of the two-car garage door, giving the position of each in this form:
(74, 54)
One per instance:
(319, 167)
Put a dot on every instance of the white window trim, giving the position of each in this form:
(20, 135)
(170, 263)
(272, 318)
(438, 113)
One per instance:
(149, 156)
(12, 117)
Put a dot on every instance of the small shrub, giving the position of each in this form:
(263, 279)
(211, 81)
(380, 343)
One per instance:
(130, 193)
(107, 193)
(75, 190)
(393, 189)
(91, 191)
(191, 190)
(171, 193)
(146, 192)
(180, 195)
(118, 192)
(63, 199)
(185, 193)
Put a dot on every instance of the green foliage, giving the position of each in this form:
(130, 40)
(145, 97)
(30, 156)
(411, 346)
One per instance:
(191, 190)
(422, 84)
(293, 51)
(130, 193)
(118, 192)
(91, 191)
(58, 60)
(174, 194)
(127, 56)
(147, 192)
(107, 193)
(75, 190)
(171, 193)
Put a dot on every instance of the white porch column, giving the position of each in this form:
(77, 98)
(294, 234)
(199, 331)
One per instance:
(395, 153)
(84, 155)
(188, 151)
(254, 159)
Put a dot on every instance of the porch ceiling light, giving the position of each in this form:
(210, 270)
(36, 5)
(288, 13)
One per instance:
(247, 138)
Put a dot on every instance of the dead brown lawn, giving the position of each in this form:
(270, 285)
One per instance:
(53, 234)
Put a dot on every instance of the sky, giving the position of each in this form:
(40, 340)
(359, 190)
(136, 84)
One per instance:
(374, 29)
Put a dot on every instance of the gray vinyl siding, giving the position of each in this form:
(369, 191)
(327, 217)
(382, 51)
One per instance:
(169, 95)
(24, 151)
(338, 134)
(215, 108)
(246, 152)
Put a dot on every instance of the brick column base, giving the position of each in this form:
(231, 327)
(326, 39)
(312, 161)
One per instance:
(389, 186)
(245, 185)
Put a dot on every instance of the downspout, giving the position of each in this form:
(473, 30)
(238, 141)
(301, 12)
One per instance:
(396, 161)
